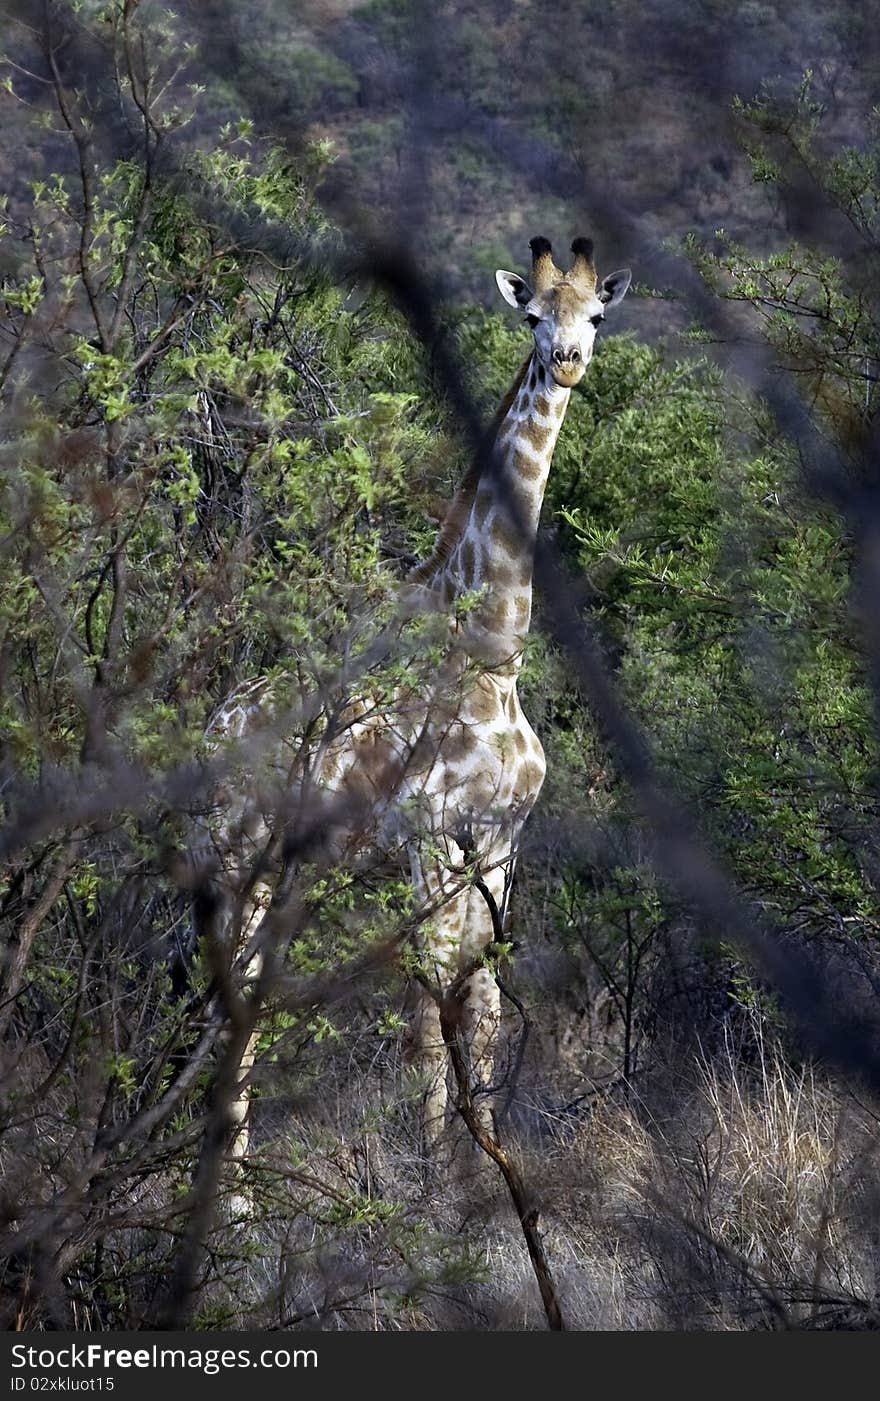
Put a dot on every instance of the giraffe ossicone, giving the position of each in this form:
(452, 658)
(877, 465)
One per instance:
(450, 777)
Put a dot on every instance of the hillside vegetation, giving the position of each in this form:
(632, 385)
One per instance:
(227, 438)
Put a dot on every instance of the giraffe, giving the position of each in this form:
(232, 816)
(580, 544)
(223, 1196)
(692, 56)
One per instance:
(450, 776)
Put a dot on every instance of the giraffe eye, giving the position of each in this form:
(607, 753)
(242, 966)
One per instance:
(597, 319)
(532, 320)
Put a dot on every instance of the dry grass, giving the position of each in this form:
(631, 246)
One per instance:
(739, 1197)
(733, 1193)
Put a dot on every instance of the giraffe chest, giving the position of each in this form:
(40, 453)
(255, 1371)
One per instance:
(492, 743)
(480, 765)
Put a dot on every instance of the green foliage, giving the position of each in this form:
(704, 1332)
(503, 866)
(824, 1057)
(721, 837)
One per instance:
(726, 596)
(225, 478)
(817, 312)
(214, 487)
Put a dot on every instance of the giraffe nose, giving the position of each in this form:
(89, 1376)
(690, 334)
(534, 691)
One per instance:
(571, 356)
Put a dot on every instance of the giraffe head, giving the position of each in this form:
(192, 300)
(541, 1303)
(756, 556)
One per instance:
(564, 310)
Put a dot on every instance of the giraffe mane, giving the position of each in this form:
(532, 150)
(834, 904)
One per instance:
(456, 517)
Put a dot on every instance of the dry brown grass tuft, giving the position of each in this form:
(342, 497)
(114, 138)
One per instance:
(740, 1197)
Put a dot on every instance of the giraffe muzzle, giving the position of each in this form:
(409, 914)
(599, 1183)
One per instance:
(568, 365)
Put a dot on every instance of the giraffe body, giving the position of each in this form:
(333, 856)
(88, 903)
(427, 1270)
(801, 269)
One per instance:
(448, 779)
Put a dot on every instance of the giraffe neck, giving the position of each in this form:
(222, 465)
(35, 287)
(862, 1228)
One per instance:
(497, 546)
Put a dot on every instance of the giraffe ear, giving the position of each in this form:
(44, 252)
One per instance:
(515, 291)
(614, 287)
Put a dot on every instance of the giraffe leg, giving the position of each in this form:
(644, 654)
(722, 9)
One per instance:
(215, 930)
(440, 954)
(240, 1108)
(480, 1023)
(481, 1009)
(431, 1059)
